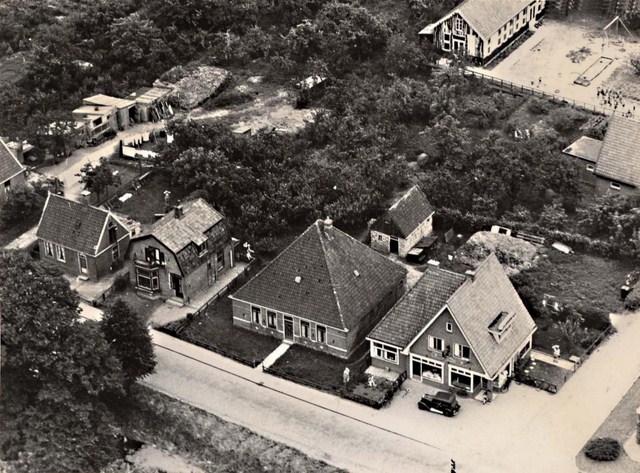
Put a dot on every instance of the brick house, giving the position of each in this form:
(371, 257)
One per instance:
(326, 291)
(404, 224)
(454, 330)
(613, 163)
(480, 29)
(11, 171)
(82, 240)
(183, 253)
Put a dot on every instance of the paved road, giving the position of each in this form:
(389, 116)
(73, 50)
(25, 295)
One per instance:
(524, 430)
(67, 170)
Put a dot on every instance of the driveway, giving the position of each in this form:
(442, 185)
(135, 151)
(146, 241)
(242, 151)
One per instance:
(524, 430)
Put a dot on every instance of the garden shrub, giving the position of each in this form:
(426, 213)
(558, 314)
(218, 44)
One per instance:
(566, 119)
(632, 302)
(121, 282)
(538, 106)
(228, 98)
(603, 449)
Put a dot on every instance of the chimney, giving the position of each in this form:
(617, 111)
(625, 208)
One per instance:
(85, 197)
(433, 263)
(328, 227)
(471, 274)
(178, 211)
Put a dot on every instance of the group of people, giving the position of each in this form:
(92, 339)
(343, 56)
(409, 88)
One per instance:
(614, 99)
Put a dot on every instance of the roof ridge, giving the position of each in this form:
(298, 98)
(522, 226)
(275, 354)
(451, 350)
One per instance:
(324, 259)
(105, 211)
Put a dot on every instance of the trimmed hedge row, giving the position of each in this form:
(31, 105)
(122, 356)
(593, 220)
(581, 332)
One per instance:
(467, 221)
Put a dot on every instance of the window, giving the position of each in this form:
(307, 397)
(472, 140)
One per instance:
(154, 255)
(271, 319)
(48, 249)
(202, 249)
(423, 369)
(113, 233)
(255, 315)
(322, 333)
(220, 260)
(304, 329)
(449, 327)
(380, 237)
(615, 185)
(384, 352)
(7, 187)
(458, 26)
(60, 253)
(461, 351)
(590, 168)
(147, 279)
(436, 343)
(460, 378)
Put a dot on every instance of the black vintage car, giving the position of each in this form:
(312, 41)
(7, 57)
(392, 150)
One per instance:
(442, 402)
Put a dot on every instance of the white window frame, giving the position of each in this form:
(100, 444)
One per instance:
(426, 361)
(272, 315)
(220, 260)
(383, 352)
(460, 371)
(432, 344)
(458, 26)
(590, 168)
(256, 315)
(449, 327)
(48, 249)
(324, 329)
(60, 256)
(615, 185)
(458, 351)
(305, 329)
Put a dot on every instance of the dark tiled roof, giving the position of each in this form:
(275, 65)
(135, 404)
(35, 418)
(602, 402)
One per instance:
(72, 224)
(410, 315)
(477, 304)
(619, 158)
(341, 280)
(9, 164)
(584, 148)
(406, 214)
(177, 233)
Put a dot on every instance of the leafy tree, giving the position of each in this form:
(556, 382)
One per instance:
(519, 213)
(611, 214)
(129, 339)
(570, 327)
(553, 215)
(21, 204)
(55, 373)
(98, 178)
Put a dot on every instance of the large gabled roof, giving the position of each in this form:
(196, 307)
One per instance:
(485, 16)
(177, 233)
(418, 307)
(340, 279)
(479, 302)
(406, 214)
(72, 224)
(9, 164)
(619, 158)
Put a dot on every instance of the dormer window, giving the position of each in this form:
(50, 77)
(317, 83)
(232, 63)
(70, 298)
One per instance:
(202, 249)
(501, 325)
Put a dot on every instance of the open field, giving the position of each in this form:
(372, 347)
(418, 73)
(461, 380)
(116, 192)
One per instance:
(559, 52)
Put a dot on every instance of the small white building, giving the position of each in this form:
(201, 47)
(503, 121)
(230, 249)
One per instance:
(404, 224)
(482, 28)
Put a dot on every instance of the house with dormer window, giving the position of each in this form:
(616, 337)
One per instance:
(183, 253)
(463, 331)
(326, 291)
(82, 240)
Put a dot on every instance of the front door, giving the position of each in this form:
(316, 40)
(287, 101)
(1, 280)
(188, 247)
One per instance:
(288, 328)
(176, 283)
(83, 264)
(393, 245)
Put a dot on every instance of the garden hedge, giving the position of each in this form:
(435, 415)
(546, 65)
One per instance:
(603, 449)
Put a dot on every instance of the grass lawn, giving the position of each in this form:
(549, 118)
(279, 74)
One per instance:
(206, 441)
(620, 425)
(149, 200)
(215, 328)
(321, 368)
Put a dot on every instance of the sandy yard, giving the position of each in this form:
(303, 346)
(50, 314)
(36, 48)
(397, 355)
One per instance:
(272, 108)
(544, 62)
